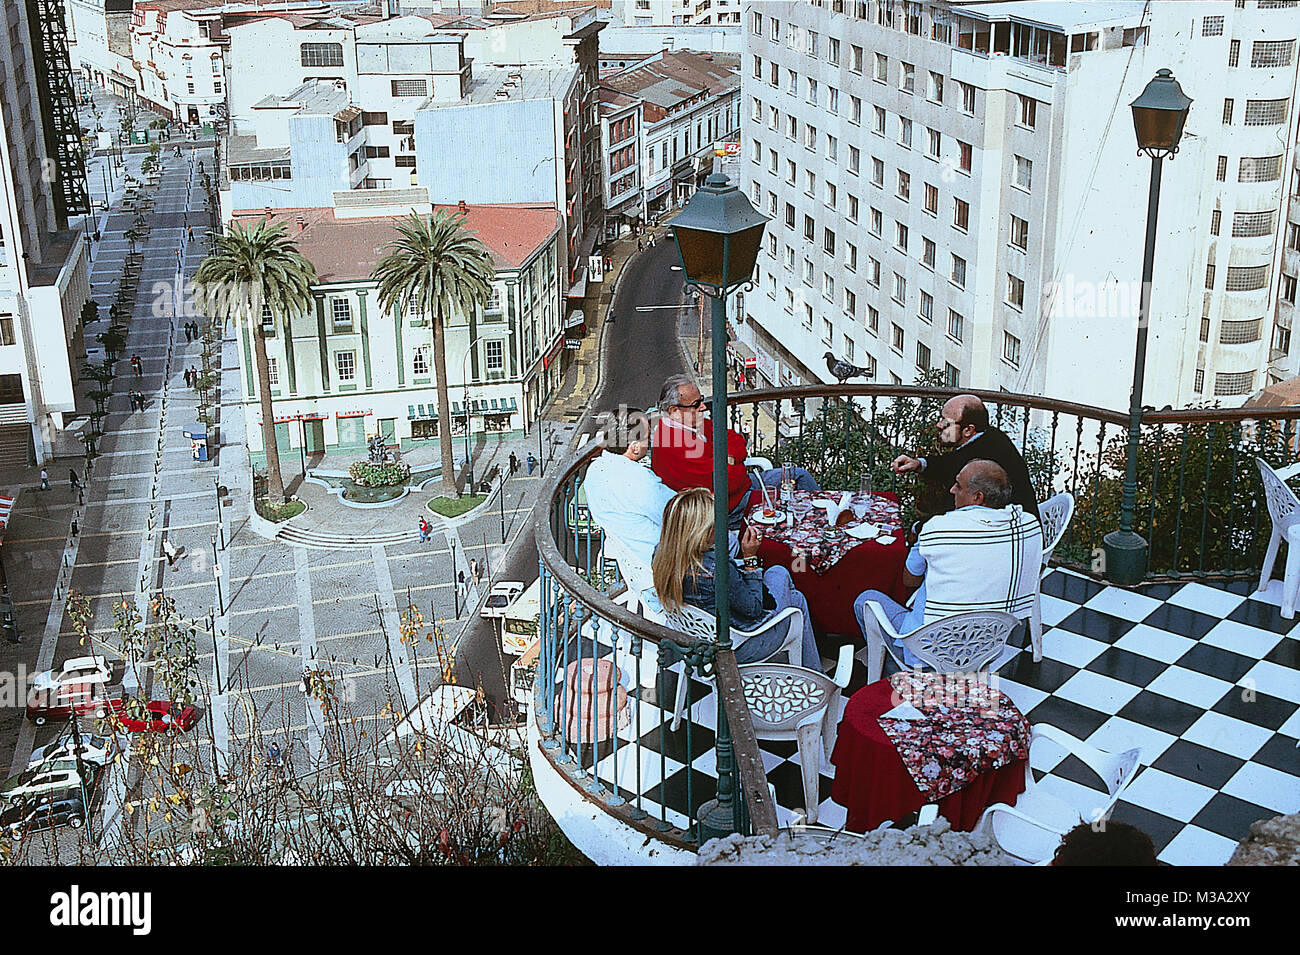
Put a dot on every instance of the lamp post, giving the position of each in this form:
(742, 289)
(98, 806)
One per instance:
(718, 235)
(1159, 115)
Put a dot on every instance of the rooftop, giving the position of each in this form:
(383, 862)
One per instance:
(315, 96)
(244, 149)
(347, 249)
(533, 82)
(1067, 16)
(670, 78)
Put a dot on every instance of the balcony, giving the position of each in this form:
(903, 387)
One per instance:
(1194, 666)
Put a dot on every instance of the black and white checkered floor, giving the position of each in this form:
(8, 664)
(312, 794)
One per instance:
(1204, 679)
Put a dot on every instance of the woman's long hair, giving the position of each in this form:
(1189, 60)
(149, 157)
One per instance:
(687, 536)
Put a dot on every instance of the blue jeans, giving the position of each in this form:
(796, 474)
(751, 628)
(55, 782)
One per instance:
(803, 481)
(903, 621)
(784, 592)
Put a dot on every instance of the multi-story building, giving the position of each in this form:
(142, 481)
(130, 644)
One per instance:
(350, 369)
(99, 32)
(676, 12)
(44, 272)
(686, 104)
(956, 187)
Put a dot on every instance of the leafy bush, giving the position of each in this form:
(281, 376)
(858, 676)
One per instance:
(366, 474)
(278, 512)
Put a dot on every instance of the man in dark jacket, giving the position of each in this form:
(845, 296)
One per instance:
(965, 432)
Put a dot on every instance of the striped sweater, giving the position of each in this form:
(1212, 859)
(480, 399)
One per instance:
(978, 558)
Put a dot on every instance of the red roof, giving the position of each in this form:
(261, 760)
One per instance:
(347, 250)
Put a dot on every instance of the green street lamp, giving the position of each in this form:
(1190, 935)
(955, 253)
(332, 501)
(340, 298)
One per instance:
(718, 234)
(1159, 115)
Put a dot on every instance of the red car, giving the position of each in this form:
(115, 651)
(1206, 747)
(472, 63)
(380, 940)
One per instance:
(162, 716)
(82, 699)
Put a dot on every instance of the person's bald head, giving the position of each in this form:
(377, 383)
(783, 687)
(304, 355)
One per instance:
(982, 482)
(962, 417)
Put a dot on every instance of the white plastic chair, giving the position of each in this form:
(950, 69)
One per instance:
(961, 643)
(694, 622)
(1284, 509)
(756, 461)
(1054, 515)
(1032, 828)
(795, 703)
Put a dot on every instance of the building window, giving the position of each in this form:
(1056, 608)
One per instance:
(321, 54)
(956, 325)
(828, 241)
(1259, 168)
(877, 222)
(959, 271)
(853, 208)
(934, 143)
(1215, 218)
(961, 214)
(873, 320)
(905, 132)
(900, 237)
(927, 253)
(1247, 278)
(833, 51)
(418, 87)
(1241, 331)
(273, 371)
(1024, 172)
(376, 152)
(1234, 383)
(882, 68)
(896, 340)
(1198, 381)
(951, 376)
(373, 119)
(1209, 276)
(1268, 54)
(494, 350)
(907, 78)
(1212, 26)
(1221, 169)
(927, 307)
(880, 120)
(904, 185)
(7, 330)
(1252, 225)
(1019, 233)
(922, 356)
(1288, 288)
(341, 310)
(832, 147)
(855, 156)
(900, 289)
(931, 199)
(828, 331)
(850, 256)
(873, 272)
(345, 362)
(1028, 111)
(850, 303)
(877, 171)
(967, 98)
(1234, 52)
(1227, 112)
(1011, 348)
(420, 360)
(935, 91)
(1015, 292)
(1266, 112)
(965, 156)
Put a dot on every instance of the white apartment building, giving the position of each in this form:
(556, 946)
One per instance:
(99, 38)
(955, 186)
(676, 12)
(44, 272)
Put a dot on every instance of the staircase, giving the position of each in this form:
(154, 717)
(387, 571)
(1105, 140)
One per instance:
(315, 540)
(15, 446)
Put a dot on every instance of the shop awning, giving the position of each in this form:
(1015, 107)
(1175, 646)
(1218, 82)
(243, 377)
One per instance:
(421, 412)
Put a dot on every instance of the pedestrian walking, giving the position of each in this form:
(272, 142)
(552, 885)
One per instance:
(532, 463)
(138, 365)
(73, 481)
(652, 240)
(425, 529)
(189, 235)
(169, 551)
(460, 582)
(477, 568)
(45, 480)
(514, 464)
(639, 245)
(194, 377)
(274, 758)
(609, 264)
(188, 339)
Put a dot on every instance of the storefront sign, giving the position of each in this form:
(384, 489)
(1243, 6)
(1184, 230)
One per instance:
(595, 268)
(767, 365)
(554, 353)
(576, 319)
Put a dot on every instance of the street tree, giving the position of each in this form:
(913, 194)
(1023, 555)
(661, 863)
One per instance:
(443, 269)
(247, 270)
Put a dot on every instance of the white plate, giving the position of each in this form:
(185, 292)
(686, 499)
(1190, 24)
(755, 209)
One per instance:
(758, 518)
(821, 502)
(886, 541)
(865, 532)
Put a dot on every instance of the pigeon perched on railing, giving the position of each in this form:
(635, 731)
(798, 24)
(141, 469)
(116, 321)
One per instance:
(843, 370)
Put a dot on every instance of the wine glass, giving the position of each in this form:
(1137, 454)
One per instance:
(862, 503)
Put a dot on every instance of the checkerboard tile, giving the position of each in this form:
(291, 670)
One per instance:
(1204, 679)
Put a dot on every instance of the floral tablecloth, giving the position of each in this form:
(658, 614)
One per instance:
(967, 728)
(808, 536)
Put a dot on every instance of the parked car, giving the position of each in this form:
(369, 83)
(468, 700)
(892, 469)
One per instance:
(48, 812)
(502, 596)
(93, 669)
(63, 701)
(96, 750)
(33, 783)
(162, 716)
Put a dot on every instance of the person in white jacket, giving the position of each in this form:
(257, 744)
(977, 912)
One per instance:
(986, 554)
(626, 498)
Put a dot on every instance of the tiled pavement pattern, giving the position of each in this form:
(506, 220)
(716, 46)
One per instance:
(1205, 679)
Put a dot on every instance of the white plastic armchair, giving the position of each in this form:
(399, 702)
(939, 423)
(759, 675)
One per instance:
(795, 703)
(1032, 828)
(1054, 514)
(961, 643)
(757, 461)
(1284, 510)
(701, 625)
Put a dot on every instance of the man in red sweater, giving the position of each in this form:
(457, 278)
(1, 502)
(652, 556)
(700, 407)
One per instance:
(683, 450)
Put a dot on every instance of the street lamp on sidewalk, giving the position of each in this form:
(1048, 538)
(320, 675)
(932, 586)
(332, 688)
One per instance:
(1159, 115)
(464, 377)
(718, 234)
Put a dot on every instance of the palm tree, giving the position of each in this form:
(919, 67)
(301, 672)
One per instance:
(246, 270)
(437, 264)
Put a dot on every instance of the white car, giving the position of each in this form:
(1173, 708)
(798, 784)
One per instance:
(30, 785)
(96, 750)
(502, 596)
(77, 670)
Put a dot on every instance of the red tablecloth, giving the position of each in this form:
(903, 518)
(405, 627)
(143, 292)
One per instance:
(868, 566)
(874, 786)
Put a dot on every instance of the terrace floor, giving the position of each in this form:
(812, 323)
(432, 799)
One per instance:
(1204, 678)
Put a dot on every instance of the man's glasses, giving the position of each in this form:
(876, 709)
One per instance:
(697, 403)
(945, 423)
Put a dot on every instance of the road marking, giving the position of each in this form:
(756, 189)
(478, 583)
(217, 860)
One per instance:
(393, 629)
(307, 649)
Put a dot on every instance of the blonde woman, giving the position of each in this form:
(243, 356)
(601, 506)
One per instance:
(684, 565)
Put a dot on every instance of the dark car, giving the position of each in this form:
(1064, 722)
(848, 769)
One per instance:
(50, 812)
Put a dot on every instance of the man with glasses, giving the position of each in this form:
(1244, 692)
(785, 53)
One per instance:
(683, 451)
(964, 428)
